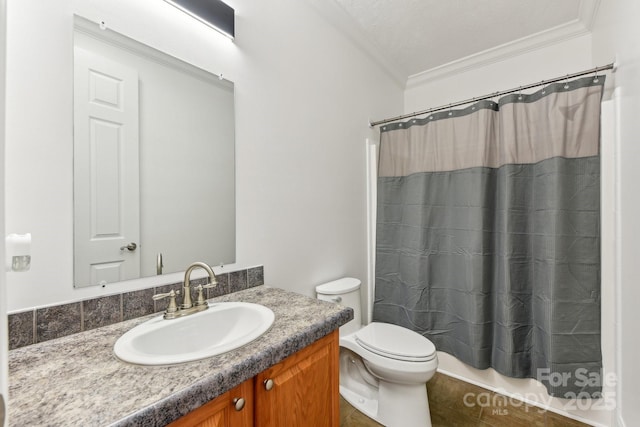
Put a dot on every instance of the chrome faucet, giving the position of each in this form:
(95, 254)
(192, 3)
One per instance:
(188, 307)
(186, 287)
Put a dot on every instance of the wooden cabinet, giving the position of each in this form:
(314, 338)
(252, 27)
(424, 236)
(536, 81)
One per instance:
(302, 390)
(226, 410)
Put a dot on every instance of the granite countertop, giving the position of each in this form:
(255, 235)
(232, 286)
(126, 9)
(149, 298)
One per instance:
(78, 381)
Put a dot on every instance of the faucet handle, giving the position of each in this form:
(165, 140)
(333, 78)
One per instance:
(173, 307)
(200, 288)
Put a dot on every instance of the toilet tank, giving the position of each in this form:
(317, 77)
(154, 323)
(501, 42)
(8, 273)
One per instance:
(345, 291)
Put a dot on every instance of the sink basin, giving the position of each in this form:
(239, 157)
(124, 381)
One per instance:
(222, 327)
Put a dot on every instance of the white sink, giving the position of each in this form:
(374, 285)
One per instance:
(222, 327)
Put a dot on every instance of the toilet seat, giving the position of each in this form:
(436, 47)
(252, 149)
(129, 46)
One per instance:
(395, 342)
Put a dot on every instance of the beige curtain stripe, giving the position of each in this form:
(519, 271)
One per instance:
(462, 142)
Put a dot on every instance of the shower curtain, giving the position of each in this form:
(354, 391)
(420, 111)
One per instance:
(488, 234)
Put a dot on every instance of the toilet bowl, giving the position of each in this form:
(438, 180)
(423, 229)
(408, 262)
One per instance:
(384, 368)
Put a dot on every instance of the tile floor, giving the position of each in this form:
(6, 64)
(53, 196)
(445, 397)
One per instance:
(446, 402)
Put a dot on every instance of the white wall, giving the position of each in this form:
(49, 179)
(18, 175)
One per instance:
(541, 64)
(556, 60)
(602, 33)
(303, 97)
(4, 335)
(617, 33)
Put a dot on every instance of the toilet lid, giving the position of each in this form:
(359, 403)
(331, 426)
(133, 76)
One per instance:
(395, 342)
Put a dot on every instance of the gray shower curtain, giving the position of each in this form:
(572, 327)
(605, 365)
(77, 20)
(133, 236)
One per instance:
(488, 234)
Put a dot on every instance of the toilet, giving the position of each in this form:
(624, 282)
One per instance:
(384, 368)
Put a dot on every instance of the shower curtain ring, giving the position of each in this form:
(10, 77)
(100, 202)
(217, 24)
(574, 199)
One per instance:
(595, 75)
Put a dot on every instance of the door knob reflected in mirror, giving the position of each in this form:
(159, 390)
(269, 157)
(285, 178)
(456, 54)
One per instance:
(130, 247)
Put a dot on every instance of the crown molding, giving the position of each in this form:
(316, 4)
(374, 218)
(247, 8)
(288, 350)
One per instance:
(578, 27)
(340, 19)
(500, 53)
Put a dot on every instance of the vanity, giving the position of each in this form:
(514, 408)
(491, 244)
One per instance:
(298, 391)
(288, 376)
(184, 112)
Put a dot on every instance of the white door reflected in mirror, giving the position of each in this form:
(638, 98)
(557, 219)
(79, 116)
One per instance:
(154, 160)
(106, 169)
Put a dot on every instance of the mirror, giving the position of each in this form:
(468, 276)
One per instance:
(154, 161)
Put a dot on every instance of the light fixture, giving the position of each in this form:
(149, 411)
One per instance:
(214, 13)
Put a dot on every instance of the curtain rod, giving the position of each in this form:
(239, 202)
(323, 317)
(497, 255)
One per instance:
(494, 94)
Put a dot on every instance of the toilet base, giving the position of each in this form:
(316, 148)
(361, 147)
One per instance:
(404, 406)
(369, 407)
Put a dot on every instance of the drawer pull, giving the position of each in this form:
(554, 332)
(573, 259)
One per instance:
(238, 403)
(268, 384)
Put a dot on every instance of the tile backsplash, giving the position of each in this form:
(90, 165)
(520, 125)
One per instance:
(42, 324)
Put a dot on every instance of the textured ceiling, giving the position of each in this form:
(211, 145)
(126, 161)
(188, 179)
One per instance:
(419, 35)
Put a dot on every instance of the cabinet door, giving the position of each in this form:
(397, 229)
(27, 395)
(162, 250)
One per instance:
(222, 411)
(302, 390)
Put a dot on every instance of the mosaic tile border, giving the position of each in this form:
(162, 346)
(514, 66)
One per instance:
(42, 324)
